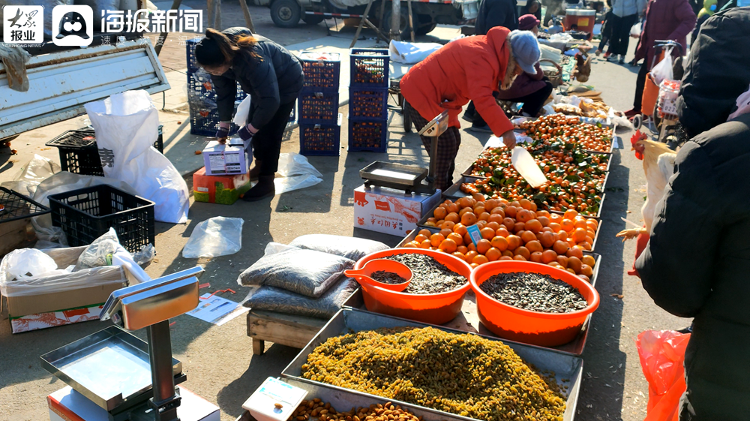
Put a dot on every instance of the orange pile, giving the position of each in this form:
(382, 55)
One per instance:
(510, 231)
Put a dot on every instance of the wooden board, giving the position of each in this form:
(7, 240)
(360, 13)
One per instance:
(282, 329)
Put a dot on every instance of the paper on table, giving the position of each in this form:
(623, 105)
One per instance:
(212, 309)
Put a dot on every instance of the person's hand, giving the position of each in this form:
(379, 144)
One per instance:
(247, 132)
(222, 134)
(509, 139)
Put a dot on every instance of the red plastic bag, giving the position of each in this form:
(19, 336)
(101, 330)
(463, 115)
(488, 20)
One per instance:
(662, 354)
(641, 244)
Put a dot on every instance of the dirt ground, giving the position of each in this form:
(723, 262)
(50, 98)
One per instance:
(218, 360)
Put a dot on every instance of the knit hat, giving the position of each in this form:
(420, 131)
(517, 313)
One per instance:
(527, 22)
(525, 49)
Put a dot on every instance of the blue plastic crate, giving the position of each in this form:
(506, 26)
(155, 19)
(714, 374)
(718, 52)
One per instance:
(368, 135)
(322, 71)
(192, 63)
(320, 139)
(368, 103)
(318, 107)
(369, 68)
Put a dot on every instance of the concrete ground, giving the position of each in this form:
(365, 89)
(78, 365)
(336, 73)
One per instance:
(219, 361)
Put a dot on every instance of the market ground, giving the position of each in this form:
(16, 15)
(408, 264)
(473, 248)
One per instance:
(219, 360)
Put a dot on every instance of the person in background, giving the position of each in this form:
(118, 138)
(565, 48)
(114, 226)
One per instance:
(606, 33)
(665, 20)
(625, 14)
(468, 68)
(532, 7)
(709, 7)
(273, 78)
(532, 89)
(708, 197)
(491, 13)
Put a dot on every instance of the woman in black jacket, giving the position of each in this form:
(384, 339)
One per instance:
(273, 78)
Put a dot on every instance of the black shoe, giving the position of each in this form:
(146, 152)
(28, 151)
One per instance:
(254, 173)
(468, 117)
(622, 59)
(264, 189)
(688, 329)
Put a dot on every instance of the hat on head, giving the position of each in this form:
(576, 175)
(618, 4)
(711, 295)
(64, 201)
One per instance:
(525, 49)
(527, 22)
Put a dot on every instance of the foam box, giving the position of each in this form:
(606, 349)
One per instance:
(390, 211)
(223, 189)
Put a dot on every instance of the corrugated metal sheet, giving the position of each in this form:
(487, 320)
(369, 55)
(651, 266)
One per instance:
(60, 83)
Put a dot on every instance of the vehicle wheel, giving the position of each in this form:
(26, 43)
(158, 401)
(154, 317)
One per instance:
(406, 116)
(313, 19)
(424, 30)
(637, 121)
(404, 27)
(286, 13)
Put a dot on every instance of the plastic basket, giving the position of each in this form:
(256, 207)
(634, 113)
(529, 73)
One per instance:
(368, 135)
(322, 70)
(86, 214)
(369, 68)
(318, 107)
(320, 139)
(368, 103)
(192, 63)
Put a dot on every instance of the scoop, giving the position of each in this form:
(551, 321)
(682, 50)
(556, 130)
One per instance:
(363, 275)
(525, 164)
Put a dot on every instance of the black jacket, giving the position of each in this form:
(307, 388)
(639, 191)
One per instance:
(494, 13)
(697, 264)
(274, 79)
(717, 72)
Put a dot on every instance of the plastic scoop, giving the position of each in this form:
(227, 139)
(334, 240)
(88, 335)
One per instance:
(525, 164)
(363, 275)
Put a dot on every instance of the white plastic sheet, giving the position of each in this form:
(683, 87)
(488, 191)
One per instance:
(297, 173)
(243, 111)
(23, 263)
(31, 175)
(214, 237)
(411, 52)
(126, 128)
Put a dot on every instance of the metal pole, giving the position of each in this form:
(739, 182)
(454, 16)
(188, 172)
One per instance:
(162, 378)
(396, 20)
(411, 20)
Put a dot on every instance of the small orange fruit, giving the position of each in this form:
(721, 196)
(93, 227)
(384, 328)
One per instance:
(514, 242)
(592, 223)
(548, 239)
(440, 212)
(484, 216)
(487, 233)
(448, 245)
(585, 278)
(563, 261)
(518, 227)
(587, 270)
(483, 245)
(426, 244)
(589, 260)
(511, 211)
(570, 214)
(555, 226)
(543, 220)
(567, 225)
(536, 257)
(419, 238)
(534, 246)
(509, 223)
(494, 225)
(575, 252)
(525, 203)
(452, 208)
(575, 264)
(462, 249)
(527, 236)
(470, 256)
(579, 235)
(479, 197)
(436, 239)
(469, 218)
(523, 215)
(459, 255)
(549, 256)
(520, 258)
(502, 232)
(457, 238)
(445, 232)
(425, 232)
(499, 243)
(523, 251)
(498, 211)
(493, 254)
(560, 247)
(580, 223)
(452, 217)
(505, 258)
(459, 228)
(479, 260)
(449, 225)
(534, 225)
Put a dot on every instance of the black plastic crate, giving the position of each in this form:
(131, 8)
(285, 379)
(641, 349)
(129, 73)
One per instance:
(368, 103)
(318, 107)
(79, 152)
(368, 135)
(322, 71)
(86, 214)
(320, 139)
(369, 68)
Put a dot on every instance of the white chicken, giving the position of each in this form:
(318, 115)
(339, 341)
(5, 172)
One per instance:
(658, 164)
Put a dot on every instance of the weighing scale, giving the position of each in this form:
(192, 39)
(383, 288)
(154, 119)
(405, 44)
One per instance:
(131, 379)
(410, 178)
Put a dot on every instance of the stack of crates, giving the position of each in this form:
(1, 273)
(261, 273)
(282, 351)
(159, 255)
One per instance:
(319, 120)
(368, 100)
(204, 114)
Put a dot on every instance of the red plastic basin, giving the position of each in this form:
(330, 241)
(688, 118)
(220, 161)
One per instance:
(435, 309)
(531, 327)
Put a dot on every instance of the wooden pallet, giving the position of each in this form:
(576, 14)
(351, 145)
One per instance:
(282, 329)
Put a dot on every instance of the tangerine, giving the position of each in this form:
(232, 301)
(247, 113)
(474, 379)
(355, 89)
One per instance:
(570, 214)
(479, 260)
(523, 251)
(425, 232)
(471, 255)
(440, 212)
(445, 232)
(518, 227)
(436, 239)
(534, 225)
(536, 257)
(585, 278)
(563, 261)
(549, 256)
(449, 225)
(560, 247)
(484, 216)
(525, 203)
(548, 239)
(575, 252)
(469, 218)
(426, 244)
(575, 264)
(452, 208)
(494, 217)
(499, 243)
(505, 258)
(457, 238)
(555, 226)
(587, 270)
(567, 225)
(520, 258)
(589, 260)
(448, 245)
(460, 229)
(523, 215)
(498, 211)
(534, 246)
(514, 242)
(459, 255)
(462, 249)
(528, 236)
(508, 253)
(502, 232)
(511, 211)
(509, 223)
(494, 225)
(487, 233)
(543, 220)
(493, 254)
(579, 235)
(483, 245)
(452, 217)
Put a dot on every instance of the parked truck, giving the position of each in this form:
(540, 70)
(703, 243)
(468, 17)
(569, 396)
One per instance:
(427, 13)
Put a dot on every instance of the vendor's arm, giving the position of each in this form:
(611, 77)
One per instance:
(263, 80)
(675, 279)
(481, 87)
(685, 15)
(226, 89)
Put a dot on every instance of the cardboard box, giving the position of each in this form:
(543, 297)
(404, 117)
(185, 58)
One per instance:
(229, 158)
(49, 307)
(390, 211)
(68, 405)
(223, 189)
(15, 234)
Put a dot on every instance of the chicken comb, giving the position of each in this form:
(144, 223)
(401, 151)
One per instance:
(636, 137)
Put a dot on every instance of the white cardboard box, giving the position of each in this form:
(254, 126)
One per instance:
(68, 405)
(227, 159)
(390, 211)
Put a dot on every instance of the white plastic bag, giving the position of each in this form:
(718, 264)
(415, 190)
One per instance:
(126, 128)
(635, 30)
(243, 111)
(214, 237)
(297, 173)
(411, 52)
(31, 175)
(663, 70)
(24, 263)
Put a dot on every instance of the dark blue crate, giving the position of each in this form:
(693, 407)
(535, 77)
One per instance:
(368, 103)
(320, 139)
(192, 63)
(369, 68)
(368, 135)
(318, 107)
(321, 75)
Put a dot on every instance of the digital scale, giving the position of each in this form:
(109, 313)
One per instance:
(410, 178)
(123, 377)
